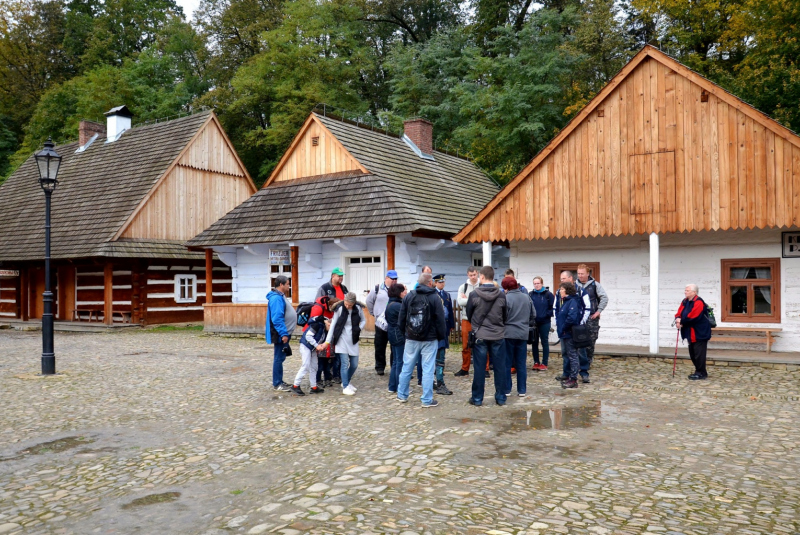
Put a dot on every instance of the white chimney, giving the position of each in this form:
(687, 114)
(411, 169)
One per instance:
(117, 121)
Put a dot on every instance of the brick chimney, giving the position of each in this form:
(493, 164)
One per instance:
(86, 129)
(420, 132)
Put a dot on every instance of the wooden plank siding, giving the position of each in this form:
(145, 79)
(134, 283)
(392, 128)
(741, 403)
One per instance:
(659, 150)
(314, 151)
(207, 182)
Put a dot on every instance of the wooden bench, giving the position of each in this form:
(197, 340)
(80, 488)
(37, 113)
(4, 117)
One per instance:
(95, 313)
(747, 335)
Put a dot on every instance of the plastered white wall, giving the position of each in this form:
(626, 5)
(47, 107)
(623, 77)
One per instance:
(685, 258)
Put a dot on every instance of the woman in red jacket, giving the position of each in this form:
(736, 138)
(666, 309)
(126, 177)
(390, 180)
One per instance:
(692, 320)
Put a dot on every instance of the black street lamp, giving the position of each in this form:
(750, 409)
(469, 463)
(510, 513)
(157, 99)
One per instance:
(48, 161)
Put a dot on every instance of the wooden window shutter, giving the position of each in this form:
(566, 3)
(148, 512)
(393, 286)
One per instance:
(652, 178)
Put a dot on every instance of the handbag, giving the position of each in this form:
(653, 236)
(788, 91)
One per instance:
(473, 337)
(381, 323)
(581, 337)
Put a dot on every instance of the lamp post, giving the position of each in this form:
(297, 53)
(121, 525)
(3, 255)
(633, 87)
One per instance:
(48, 161)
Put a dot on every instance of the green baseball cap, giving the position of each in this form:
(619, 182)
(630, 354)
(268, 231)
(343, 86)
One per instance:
(337, 271)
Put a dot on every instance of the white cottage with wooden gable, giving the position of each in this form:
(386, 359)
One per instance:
(662, 180)
(345, 195)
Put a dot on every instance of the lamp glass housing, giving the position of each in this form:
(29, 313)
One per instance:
(48, 161)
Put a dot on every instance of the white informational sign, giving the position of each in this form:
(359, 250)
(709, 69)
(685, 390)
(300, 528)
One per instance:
(791, 244)
(9, 273)
(279, 257)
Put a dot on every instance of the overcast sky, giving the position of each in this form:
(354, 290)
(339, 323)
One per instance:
(188, 7)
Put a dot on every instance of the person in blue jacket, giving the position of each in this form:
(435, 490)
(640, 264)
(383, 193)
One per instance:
(281, 321)
(543, 301)
(570, 313)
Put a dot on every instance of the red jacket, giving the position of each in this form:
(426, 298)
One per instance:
(694, 323)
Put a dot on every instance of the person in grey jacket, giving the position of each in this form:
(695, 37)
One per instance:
(377, 300)
(598, 301)
(487, 310)
(520, 320)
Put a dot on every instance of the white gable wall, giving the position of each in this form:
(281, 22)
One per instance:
(685, 258)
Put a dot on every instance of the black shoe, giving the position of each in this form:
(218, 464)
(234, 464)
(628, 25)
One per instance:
(561, 377)
(433, 403)
(337, 380)
(442, 390)
(501, 403)
(585, 379)
(698, 377)
(379, 372)
(297, 391)
(474, 403)
(461, 373)
(316, 390)
(570, 383)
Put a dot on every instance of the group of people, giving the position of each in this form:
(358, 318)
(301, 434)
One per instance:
(499, 321)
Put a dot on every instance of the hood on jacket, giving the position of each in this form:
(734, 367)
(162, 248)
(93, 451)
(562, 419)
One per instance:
(273, 293)
(425, 290)
(488, 293)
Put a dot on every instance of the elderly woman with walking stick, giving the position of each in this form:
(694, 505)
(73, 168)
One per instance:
(692, 320)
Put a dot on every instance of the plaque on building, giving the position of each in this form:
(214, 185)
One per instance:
(791, 244)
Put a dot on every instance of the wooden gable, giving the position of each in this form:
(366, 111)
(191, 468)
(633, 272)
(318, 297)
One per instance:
(206, 181)
(315, 151)
(660, 149)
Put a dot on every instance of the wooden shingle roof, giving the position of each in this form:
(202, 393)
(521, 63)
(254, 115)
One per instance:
(98, 191)
(400, 192)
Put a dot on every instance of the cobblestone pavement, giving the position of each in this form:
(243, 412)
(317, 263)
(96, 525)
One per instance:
(175, 432)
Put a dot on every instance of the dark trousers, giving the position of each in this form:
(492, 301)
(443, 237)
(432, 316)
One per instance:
(481, 352)
(541, 333)
(697, 352)
(324, 366)
(571, 359)
(582, 359)
(516, 357)
(587, 354)
(279, 357)
(397, 366)
(381, 339)
(440, 355)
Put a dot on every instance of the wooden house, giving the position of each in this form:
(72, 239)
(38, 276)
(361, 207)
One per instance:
(126, 201)
(345, 195)
(662, 180)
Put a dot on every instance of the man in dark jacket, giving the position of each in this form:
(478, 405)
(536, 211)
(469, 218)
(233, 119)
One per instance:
(543, 302)
(444, 345)
(397, 337)
(570, 314)
(486, 308)
(422, 320)
(334, 288)
(695, 328)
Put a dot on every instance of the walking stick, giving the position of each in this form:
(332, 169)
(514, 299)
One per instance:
(675, 358)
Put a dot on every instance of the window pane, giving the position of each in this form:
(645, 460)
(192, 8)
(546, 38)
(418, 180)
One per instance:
(274, 268)
(738, 299)
(751, 273)
(355, 260)
(287, 269)
(376, 259)
(762, 299)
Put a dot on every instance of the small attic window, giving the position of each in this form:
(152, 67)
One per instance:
(315, 141)
(704, 96)
(601, 112)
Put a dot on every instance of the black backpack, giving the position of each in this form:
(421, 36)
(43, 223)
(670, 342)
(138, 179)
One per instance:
(418, 317)
(304, 313)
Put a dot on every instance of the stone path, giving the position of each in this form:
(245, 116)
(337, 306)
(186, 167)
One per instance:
(176, 432)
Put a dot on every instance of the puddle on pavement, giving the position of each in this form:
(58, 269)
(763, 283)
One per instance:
(152, 499)
(556, 418)
(57, 446)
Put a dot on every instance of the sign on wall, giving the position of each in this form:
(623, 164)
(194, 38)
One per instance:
(791, 244)
(279, 257)
(9, 273)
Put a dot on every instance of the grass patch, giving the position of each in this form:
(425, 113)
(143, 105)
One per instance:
(171, 328)
(237, 492)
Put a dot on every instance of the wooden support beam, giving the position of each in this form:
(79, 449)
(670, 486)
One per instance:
(24, 294)
(209, 275)
(390, 241)
(294, 258)
(108, 293)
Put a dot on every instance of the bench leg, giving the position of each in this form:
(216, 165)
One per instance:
(769, 342)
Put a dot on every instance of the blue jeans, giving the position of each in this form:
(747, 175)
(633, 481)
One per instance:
(277, 364)
(541, 332)
(516, 357)
(583, 362)
(349, 365)
(426, 352)
(496, 350)
(397, 366)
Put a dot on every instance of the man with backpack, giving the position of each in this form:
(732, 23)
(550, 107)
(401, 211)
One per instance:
(422, 319)
(281, 322)
(334, 287)
(693, 321)
(598, 301)
(377, 300)
(487, 310)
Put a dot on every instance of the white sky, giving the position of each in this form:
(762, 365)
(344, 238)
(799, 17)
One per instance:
(189, 7)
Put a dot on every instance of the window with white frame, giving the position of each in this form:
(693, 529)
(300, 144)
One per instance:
(477, 260)
(185, 288)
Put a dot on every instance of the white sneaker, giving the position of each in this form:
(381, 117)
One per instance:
(351, 385)
(348, 391)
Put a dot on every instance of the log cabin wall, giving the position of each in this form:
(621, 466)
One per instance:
(206, 183)
(162, 298)
(90, 290)
(8, 297)
(663, 151)
(314, 151)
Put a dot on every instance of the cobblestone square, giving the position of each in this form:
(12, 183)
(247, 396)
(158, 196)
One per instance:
(177, 432)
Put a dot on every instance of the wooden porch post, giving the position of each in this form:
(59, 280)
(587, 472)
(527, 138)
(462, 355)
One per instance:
(24, 294)
(209, 275)
(108, 293)
(390, 251)
(294, 258)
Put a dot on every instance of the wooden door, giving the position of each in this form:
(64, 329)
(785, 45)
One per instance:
(36, 293)
(66, 293)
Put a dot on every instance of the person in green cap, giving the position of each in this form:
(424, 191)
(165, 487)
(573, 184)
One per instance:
(334, 288)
